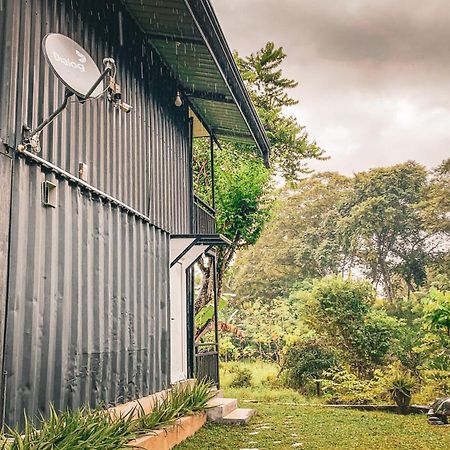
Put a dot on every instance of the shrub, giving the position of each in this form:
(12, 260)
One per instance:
(343, 312)
(242, 378)
(305, 361)
(341, 386)
(435, 384)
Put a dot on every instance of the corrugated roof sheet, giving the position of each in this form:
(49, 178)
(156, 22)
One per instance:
(189, 39)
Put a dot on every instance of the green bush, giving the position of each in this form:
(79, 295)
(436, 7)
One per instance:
(305, 361)
(242, 378)
(341, 386)
(435, 384)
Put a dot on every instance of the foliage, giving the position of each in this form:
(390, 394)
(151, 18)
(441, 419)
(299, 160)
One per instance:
(263, 375)
(383, 224)
(305, 361)
(390, 224)
(97, 429)
(74, 430)
(342, 312)
(242, 378)
(241, 197)
(434, 384)
(341, 386)
(268, 89)
(182, 400)
(207, 313)
(268, 328)
(401, 382)
(437, 312)
(242, 208)
(298, 243)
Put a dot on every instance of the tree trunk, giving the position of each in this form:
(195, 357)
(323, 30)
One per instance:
(205, 295)
(387, 281)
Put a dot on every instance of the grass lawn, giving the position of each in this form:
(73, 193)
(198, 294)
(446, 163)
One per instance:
(287, 426)
(282, 423)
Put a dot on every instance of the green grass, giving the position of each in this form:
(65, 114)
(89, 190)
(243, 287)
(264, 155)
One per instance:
(262, 372)
(282, 422)
(264, 387)
(280, 426)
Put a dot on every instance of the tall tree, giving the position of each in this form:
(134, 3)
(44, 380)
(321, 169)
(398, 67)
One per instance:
(383, 223)
(300, 241)
(269, 90)
(241, 180)
(390, 224)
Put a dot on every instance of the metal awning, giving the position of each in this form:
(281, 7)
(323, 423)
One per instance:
(189, 39)
(187, 248)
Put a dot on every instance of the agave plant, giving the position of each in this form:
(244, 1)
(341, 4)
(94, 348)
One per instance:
(74, 430)
(401, 386)
(95, 429)
(181, 400)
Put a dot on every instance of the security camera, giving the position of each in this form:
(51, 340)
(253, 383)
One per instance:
(114, 91)
(125, 107)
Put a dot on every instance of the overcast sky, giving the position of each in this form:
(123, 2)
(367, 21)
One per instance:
(374, 75)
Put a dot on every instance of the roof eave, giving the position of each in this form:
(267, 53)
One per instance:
(208, 25)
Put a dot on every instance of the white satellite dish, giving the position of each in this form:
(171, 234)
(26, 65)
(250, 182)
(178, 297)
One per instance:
(72, 65)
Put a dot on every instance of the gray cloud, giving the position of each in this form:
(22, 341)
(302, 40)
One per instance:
(374, 75)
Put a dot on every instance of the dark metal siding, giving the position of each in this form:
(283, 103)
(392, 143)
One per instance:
(141, 158)
(88, 290)
(5, 198)
(88, 312)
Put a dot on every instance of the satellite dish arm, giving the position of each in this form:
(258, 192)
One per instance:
(32, 137)
(109, 64)
(39, 128)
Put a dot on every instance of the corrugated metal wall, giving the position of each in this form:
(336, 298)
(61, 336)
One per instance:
(141, 158)
(88, 313)
(88, 301)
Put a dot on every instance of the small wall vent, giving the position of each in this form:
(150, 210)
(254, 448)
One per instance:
(49, 194)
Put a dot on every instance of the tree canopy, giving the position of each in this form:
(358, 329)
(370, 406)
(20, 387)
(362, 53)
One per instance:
(378, 223)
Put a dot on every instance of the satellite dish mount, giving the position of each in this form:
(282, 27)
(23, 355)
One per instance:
(75, 68)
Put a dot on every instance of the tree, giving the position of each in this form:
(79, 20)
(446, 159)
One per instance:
(242, 208)
(390, 224)
(342, 312)
(435, 213)
(241, 180)
(299, 242)
(384, 226)
(268, 88)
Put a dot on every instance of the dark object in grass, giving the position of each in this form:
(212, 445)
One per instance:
(439, 411)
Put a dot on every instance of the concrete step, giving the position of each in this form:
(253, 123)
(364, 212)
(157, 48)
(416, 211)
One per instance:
(218, 393)
(239, 416)
(218, 408)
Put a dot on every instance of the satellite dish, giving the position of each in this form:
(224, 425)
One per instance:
(71, 64)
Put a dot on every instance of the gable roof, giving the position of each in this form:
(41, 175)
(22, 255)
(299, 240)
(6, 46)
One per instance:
(187, 35)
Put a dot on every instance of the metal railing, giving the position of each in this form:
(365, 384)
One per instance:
(204, 221)
(207, 362)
